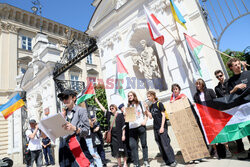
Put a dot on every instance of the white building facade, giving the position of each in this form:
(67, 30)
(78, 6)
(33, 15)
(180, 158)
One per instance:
(27, 62)
(121, 29)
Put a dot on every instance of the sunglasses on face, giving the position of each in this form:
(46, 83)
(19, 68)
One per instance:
(219, 76)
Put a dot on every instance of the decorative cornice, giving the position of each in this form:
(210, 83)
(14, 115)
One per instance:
(160, 6)
(8, 27)
(109, 42)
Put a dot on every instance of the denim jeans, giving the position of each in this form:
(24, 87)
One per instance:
(93, 151)
(37, 156)
(46, 153)
(134, 135)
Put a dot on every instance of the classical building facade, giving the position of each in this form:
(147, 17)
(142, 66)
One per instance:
(18, 37)
(121, 29)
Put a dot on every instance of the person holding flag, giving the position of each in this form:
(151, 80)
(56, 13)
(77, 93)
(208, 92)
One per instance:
(239, 82)
(73, 150)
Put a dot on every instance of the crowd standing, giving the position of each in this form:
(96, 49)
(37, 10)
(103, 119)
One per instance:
(125, 136)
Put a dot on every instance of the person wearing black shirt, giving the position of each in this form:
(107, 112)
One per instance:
(221, 88)
(46, 144)
(221, 91)
(240, 80)
(118, 145)
(157, 112)
(237, 84)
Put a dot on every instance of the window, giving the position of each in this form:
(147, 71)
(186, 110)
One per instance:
(26, 43)
(89, 59)
(74, 82)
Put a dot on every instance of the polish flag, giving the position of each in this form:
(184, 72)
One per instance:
(153, 26)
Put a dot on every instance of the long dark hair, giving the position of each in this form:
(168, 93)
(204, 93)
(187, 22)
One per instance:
(136, 101)
(202, 82)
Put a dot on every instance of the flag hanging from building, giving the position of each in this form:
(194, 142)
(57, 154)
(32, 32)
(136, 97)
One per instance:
(121, 73)
(153, 26)
(226, 119)
(12, 105)
(177, 14)
(194, 48)
(87, 93)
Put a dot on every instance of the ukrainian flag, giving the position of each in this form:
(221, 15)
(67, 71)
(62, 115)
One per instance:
(12, 105)
(177, 14)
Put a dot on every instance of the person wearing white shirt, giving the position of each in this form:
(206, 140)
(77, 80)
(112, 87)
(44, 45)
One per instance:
(33, 135)
(137, 130)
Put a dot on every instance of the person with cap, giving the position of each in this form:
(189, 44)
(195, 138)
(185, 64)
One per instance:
(33, 136)
(78, 122)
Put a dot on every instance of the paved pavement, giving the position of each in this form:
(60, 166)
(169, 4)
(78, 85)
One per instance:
(156, 161)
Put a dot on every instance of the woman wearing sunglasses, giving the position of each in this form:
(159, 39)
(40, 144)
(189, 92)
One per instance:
(116, 121)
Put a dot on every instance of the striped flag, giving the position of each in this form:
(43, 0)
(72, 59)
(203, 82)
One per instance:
(177, 14)
(12, 105)
(121, 73)
(153, 26)
(194, 48)
(86, 93)
(226, 119)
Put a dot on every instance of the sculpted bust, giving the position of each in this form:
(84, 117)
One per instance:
(147, 62)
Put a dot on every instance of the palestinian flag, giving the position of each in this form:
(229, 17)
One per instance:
(86, 93)
(194, 48)
(120, 75)
(226, 119)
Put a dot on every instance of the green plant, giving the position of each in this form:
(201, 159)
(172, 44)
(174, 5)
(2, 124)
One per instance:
(236, 54)
(101, 96)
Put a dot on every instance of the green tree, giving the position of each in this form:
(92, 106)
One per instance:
(101, 95)
(237, 54)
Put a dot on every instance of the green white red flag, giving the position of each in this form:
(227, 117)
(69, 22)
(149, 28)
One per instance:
(120, 75)
(86, 93)
(226, 119)
(194, 48)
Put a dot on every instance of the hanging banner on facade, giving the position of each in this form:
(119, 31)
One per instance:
(186, 130)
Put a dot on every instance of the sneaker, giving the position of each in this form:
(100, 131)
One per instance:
(146, 164)
(215, 156)
(174, 164)
(158, 155)
(163, 164)
(190, 162)
(196, 161)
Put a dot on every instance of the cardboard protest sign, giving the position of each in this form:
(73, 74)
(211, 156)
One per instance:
(130, 114)
(186, 130)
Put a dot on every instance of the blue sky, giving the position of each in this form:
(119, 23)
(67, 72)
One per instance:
(77, 14)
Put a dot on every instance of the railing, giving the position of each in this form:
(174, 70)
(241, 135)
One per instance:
(61, 85)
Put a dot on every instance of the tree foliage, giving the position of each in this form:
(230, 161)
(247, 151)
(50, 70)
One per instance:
(237, 54)
(101, 96)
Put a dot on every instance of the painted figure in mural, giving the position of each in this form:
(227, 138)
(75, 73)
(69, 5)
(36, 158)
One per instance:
(147, 62)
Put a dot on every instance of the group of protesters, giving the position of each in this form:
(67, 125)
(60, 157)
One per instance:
(125, 136)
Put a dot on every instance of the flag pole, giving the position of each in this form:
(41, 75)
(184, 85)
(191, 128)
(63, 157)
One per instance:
(220, 52)
(168, 31)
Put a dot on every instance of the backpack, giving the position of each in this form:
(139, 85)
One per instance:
(166, 114)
